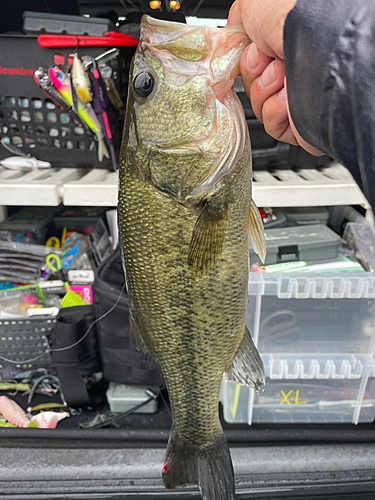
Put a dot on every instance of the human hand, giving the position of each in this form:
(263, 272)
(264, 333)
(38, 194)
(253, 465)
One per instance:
(262, 66)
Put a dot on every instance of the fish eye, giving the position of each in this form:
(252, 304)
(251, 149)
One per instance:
(144, 83)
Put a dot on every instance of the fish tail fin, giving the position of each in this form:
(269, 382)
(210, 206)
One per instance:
(210, 467)
(102, 149)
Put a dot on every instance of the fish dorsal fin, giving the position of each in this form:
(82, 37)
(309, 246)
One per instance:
(207, 239)
(247, 366)
(256, 231)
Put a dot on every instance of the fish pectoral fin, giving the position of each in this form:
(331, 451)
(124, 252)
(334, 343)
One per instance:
(247, 367)
(207, 239)
(136, 335)
(256, 231)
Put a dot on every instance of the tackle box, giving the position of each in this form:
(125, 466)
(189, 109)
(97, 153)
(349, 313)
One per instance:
(303, 216)
(316, 336)
(32, 123)
(123, 397)
(43, 22)
(33, 220)
(314, 242)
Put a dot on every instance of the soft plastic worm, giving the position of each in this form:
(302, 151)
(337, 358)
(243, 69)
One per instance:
(13, 413)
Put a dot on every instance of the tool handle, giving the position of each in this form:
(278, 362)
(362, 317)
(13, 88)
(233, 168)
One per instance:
(109, 39)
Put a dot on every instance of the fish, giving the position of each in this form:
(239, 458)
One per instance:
(43, 80)
(101, 105)
(185, 214)
(85, 110)
(81, 81)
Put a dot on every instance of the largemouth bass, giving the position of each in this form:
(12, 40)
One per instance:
(185, 212)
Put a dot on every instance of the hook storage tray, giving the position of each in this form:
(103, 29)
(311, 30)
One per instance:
(31, 122)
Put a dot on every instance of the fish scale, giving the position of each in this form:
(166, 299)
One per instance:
(181, 311)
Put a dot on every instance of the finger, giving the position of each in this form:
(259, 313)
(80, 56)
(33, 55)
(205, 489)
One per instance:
(276, 119)
(252, 64)
(235, 16)
(268, 83)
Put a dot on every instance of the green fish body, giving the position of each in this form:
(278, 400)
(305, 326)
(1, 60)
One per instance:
(185, 212)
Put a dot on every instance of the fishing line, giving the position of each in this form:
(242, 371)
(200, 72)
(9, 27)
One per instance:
(197, 8)
(165, 403)
(75, 343)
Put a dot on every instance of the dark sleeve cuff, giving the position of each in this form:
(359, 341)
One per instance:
(329, 55)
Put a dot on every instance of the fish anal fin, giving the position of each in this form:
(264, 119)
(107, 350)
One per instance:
(247, 367)
(209, 467)
(136, 334)
(207, 239)
(256, 231)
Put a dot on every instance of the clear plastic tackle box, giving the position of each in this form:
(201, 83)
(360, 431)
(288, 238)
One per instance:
(315, 334)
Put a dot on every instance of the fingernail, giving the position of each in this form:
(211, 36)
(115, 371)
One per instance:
(253, 56)
(268, 76)
(282, 94)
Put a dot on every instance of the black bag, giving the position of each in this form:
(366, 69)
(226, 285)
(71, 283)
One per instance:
(75, 353)
(121, 361)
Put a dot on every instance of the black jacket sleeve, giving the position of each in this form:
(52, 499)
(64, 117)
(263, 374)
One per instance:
(329, 54)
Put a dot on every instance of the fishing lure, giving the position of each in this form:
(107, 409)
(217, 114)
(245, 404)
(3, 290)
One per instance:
(111, 90)
(10, 386)
(81, 81)
(101, 106)
(85, 111)
(13, 413)
(49, 419)
(42, 78)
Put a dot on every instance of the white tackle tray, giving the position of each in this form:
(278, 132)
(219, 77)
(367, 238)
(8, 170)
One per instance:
(316, 337)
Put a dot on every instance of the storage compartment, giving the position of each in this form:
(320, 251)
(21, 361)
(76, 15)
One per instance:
(316, 338)
(306, 243)
(332, 390)
(123, 397)
(24, 344)
(32, 122)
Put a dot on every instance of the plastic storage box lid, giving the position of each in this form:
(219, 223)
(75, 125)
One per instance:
(307, 243)
(27, 219)
(301, 216)
(124, 397)
(42, 22)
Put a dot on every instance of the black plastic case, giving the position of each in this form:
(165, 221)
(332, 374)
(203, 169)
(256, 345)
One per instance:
(61, 24)
(25, 109)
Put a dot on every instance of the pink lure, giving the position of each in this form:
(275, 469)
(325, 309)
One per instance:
(13, 413)
(49, 419)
